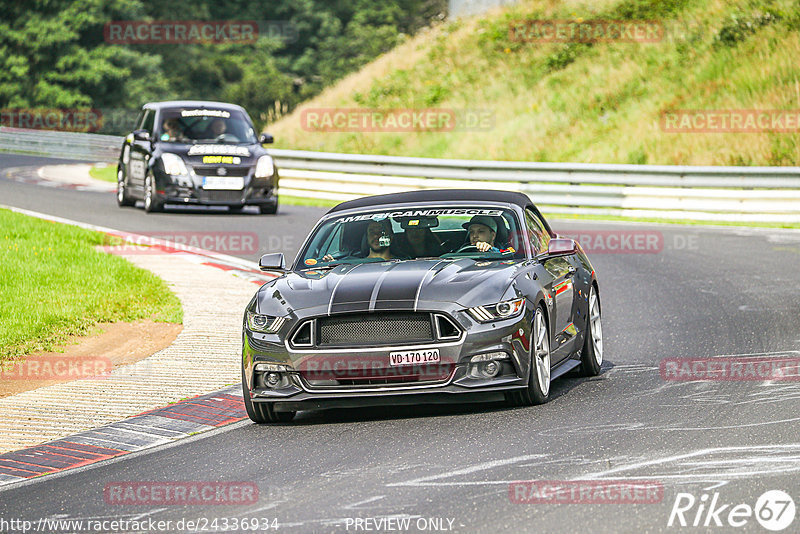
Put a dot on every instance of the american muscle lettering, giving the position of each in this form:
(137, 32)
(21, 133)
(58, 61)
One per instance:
(421, 213)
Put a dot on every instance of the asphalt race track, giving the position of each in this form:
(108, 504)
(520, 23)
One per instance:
(284, 233)
(698, 292)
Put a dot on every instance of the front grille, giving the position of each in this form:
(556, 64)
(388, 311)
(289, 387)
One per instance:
(229, 171)
(375, 329)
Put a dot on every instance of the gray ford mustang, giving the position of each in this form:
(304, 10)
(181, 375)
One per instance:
(421, 297)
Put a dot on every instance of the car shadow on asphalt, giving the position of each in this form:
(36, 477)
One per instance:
(560, 387)
(173, 209)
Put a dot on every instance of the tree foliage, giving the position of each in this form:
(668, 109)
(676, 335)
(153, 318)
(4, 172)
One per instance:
(53, 53)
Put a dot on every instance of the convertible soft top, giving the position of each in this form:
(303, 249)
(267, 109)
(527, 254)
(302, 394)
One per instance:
(438, 195)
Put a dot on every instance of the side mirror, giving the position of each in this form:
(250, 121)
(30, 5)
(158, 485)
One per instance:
(141, 135)
(266, 139)
(562, 246)
(272, 262)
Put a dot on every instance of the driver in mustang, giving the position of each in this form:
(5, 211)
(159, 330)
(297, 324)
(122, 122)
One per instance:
(482, 231)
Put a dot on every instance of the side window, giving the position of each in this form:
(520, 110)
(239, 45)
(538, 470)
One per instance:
(539, 237)
(149, 121)
(137, 125)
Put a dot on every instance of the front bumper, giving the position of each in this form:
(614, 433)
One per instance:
(183, 190)
(299, 392)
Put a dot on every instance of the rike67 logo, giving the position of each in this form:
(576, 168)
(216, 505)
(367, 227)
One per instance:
(774, 510)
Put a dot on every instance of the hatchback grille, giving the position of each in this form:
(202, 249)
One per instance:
(229, 171)
(375, 329)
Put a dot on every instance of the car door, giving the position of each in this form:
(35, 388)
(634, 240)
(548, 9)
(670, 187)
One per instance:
(141, 151)
(559, 286)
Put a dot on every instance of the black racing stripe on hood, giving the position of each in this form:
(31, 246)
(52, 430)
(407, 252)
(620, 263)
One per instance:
(355, 288)
(403, 282)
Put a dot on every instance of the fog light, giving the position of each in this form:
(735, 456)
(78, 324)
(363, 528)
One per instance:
(273, 379)
(491, 369)
(487, 365)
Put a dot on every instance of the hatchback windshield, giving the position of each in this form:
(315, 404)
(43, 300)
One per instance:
(205, 126)
(426, 232)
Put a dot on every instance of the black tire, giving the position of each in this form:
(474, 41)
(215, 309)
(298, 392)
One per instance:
(152, 203)
(122, 191)
(262, 412)
(269, 209)
(592, 352)
(538, 390)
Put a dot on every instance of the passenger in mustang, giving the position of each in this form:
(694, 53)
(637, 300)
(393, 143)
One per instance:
(418, 240)
(379, 240)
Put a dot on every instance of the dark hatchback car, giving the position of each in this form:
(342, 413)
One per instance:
(196, 153)
(421, 297)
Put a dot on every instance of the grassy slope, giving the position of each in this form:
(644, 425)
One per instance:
(54, 283)
(578, 102)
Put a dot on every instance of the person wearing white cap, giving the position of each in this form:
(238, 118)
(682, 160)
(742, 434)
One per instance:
(482, 231)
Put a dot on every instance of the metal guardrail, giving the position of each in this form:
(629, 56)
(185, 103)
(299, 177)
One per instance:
(765, 194)
(67, 145)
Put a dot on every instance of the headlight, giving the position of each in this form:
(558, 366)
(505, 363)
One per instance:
(264, 323)
(265, 167)
(173, 164)
(502, 310)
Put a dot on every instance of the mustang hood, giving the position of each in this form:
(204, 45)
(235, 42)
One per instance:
(393, 285)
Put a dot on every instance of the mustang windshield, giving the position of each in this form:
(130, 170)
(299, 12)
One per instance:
(205, 126)
(477, 232)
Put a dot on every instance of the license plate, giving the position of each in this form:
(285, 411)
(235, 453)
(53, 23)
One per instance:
(228, 183)
(414, 357)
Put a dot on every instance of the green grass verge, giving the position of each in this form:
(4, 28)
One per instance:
(106, 173)
(315, 202)
(55, 284)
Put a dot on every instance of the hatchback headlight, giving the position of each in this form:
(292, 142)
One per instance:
(265, 167)
(264, 323)
(502, 310)
(173, 164)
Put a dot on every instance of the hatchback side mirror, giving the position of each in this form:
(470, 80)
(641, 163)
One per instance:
(266, 139)
(272, 262)
(141, 135)
(561, 246)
